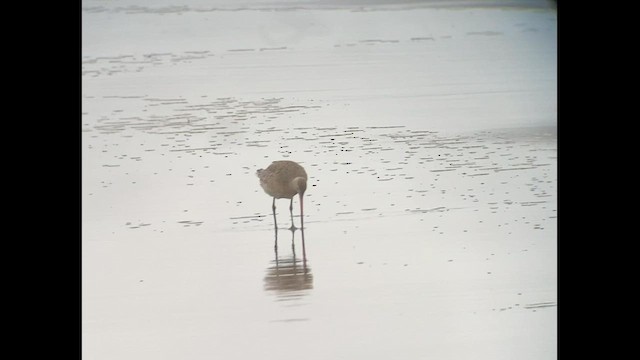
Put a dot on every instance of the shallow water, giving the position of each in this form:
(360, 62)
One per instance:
(429, 138)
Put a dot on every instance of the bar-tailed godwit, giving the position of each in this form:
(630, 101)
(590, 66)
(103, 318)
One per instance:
(283, 180)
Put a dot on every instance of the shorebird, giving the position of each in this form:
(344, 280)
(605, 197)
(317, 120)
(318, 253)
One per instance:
(283, 180)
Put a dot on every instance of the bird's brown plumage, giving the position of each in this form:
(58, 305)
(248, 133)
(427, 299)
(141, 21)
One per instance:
(283, 179)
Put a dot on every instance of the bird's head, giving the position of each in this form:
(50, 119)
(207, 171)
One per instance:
(300, 184)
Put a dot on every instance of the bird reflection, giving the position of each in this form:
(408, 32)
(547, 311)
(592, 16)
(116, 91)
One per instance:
(288, 274)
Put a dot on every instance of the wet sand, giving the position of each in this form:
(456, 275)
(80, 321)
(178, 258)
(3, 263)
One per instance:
(430, 218)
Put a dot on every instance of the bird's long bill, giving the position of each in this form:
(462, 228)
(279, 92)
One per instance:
(301, 212)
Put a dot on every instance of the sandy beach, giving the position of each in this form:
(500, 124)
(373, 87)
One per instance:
(429, 136)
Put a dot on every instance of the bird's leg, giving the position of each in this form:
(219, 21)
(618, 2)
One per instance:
(275, 246)
(273, 207)
(293, 227)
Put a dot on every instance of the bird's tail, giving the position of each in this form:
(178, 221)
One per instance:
(259, 172)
